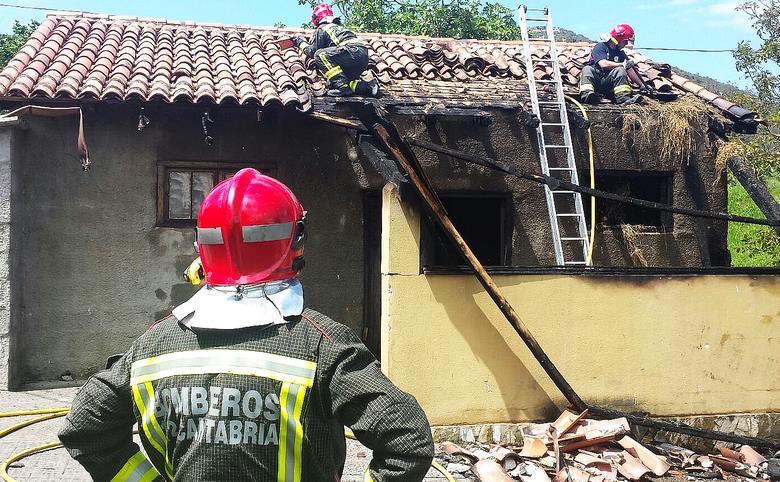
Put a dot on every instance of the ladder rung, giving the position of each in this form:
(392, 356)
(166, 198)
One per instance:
(554, 98)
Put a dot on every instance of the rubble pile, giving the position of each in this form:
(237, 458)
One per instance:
(576, 449)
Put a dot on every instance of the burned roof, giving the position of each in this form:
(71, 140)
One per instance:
(80, 56)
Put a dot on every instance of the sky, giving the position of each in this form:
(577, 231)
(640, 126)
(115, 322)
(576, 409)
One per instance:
(691, 24)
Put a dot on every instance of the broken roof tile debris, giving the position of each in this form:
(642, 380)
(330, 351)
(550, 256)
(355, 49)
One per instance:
(547, 456)
(103, 57)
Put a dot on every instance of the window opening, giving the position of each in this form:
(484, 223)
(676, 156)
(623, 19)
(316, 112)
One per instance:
(481, 220)
(655, 186)
(182, 186)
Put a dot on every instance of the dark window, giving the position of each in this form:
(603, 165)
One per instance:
(482, 221)
(181, 187)
(650, 186)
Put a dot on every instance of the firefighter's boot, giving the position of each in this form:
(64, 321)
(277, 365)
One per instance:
(628, 99)
(338, 86)
(365, 87)
(342, 90)
(590, 97)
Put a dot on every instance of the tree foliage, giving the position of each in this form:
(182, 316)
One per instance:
(460, 19)
(463, 19)
(758, 245)
(11, 43)
(761, 65)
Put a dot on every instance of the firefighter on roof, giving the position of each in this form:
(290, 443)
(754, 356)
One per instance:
(339, 55)
(242, 382)
(606, 70)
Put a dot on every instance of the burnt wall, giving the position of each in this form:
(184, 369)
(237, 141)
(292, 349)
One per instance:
(693, 182)
(94, 269)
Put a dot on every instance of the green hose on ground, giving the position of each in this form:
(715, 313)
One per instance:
(48, 415)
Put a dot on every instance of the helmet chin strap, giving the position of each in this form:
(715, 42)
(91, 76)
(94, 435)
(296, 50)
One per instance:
(241, 290)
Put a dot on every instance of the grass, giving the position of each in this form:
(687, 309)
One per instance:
(752, 245)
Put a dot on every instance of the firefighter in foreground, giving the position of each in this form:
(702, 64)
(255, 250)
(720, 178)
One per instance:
(606, 70)
(339, 55)
(242, 382)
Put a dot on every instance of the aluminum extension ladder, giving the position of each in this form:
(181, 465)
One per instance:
(567, 217)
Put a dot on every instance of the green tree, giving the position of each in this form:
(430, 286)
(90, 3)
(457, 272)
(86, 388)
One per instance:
(758, 245)
(11, 43)
(760, 64)
(464, 19)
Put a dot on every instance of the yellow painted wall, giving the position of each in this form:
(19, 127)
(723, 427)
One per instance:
(668, 345)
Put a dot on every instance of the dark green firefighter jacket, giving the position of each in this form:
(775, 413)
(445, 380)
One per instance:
(263, 403)
(330, 34)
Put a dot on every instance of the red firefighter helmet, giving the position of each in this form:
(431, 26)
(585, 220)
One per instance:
(250, 230)
(621, 32)
(320, 11)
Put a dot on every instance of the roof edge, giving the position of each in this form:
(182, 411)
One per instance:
(264, 28)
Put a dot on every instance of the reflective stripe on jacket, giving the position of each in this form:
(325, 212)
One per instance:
(264, 403)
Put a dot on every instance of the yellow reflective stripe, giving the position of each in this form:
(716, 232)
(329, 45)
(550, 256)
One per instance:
(328, 29)
(333, 72)
(136, 469)
(353, 85)
(621, 89)
(587, 88)
(325, 61)
(290, 433)
(281, 471)
(144, 399)
(237, 362)
(298, 450)
(367, 476)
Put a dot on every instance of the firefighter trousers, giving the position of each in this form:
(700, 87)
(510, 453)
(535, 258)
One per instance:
(613, 83)
(342, 66)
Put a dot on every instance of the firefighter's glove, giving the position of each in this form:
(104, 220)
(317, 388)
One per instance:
(629, 64)
(194, 272)
(298, 41)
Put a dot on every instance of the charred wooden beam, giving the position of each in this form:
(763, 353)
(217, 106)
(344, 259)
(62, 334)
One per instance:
(400, 151)
(678, 427)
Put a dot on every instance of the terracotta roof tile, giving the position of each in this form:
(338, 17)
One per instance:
(111, 57)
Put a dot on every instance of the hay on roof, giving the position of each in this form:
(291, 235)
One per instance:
(675, 129)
